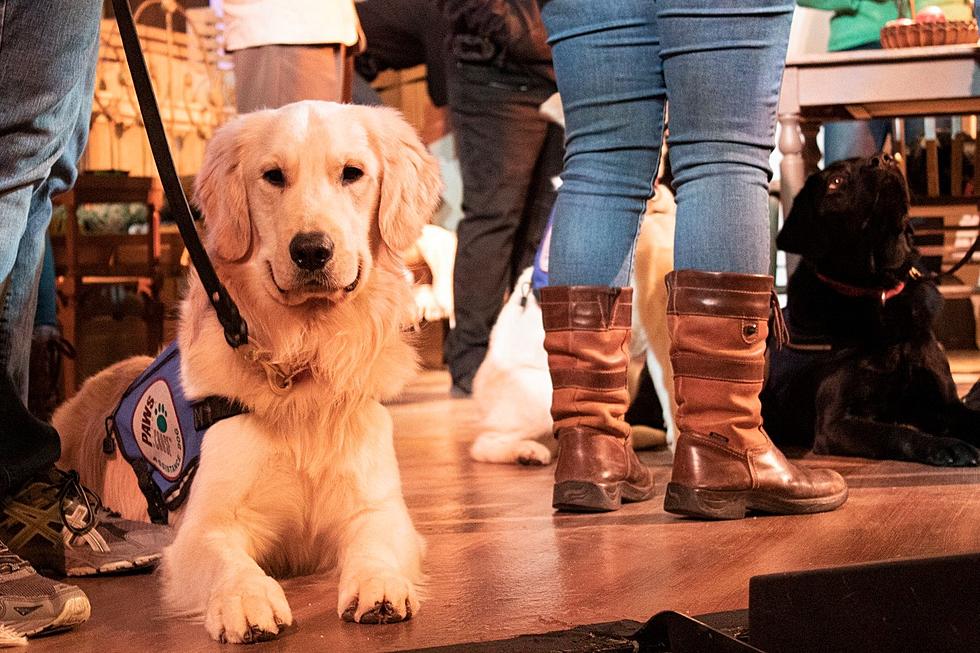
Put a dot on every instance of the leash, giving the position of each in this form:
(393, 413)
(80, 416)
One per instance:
(235, 328)
(966, 258)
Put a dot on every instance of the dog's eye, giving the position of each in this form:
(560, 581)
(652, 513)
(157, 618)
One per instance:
(835, 182)
(275, 177)
(351, 174)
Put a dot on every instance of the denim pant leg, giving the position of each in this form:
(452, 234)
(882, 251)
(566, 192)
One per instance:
(47, 296)
(607, 60)
(48, 53)
(850, 138)
(500, 135)
(723, 65)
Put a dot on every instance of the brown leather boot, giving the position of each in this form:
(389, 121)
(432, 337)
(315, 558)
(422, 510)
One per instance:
(587, 334)
(725, 464)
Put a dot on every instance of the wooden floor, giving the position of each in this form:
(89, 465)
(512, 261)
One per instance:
(502, 563)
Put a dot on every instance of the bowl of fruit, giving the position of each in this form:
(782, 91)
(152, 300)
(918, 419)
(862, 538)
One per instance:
(929, 27)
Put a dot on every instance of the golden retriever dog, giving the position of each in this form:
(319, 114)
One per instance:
(306, 208)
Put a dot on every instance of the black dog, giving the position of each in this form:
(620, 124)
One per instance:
(863, 374)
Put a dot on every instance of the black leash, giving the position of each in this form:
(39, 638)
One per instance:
(236, 330)
(966, 258)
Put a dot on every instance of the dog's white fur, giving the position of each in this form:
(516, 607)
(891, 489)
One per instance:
(307, 479)
(512, 388)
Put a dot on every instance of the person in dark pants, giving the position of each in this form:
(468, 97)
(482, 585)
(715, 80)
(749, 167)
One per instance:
(508, 153)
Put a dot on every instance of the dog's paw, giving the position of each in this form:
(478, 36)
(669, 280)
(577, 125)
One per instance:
(247, 610)
(507, 450)
(427, 305)
(378, 599)
(529, 452)
(950, 452)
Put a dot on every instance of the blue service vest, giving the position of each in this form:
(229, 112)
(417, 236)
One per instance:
(159, 432)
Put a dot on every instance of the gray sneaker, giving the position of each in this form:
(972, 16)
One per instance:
(31, 604)
(57, 524)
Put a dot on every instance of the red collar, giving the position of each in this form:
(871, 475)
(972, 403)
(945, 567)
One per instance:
(884, 294)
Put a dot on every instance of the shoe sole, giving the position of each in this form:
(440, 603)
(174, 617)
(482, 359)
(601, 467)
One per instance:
(141, 562)
(735, 504)
(76, 610)
(582, 496)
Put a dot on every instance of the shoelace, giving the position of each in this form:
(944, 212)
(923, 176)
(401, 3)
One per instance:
(72, 485)
(10, 561)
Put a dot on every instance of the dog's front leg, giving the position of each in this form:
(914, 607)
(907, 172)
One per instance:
(380, 567)
(380, 552)
(962, 422)
(222, 531)
(863, 436)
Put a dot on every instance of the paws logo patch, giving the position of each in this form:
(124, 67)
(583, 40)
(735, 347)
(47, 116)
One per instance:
(161, 411)
(157, 430)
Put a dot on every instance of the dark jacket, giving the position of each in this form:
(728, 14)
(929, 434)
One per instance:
(502, 32)
(401, 34)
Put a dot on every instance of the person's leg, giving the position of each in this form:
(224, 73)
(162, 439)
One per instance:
(44, 113)
(47, 296)
(850, 138)
(722, 126)
(48, 347)
(27, 445)
(610, 79)
(499, 134)
(540, 201)
(723, 65)
(44, 117)
(270, 76)
(607, 61)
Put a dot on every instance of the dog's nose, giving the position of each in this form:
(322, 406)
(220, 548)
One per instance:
(881, 160)
(310, 251)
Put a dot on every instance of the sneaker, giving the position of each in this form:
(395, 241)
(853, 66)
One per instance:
(60, 526)
(31, 604)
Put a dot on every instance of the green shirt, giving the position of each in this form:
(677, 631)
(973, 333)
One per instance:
(859, 22)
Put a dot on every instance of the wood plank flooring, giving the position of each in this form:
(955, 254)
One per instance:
(502, 563)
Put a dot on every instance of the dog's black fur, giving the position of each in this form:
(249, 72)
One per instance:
(884, 389)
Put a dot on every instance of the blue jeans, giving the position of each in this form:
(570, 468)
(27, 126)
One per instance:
(48, 52)
(508, 154)
(851, 138)
(719, 63)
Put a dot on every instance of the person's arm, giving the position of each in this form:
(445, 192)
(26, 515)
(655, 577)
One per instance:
(513, 26)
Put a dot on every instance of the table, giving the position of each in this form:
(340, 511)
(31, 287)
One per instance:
(864, 84)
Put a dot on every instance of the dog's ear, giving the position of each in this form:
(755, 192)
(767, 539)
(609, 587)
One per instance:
(411, 188)
(219, 191)
(802, 232)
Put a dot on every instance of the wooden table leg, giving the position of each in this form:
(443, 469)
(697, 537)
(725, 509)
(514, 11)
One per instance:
(792, 170)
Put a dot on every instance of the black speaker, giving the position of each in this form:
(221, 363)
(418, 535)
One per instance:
(923, 605)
